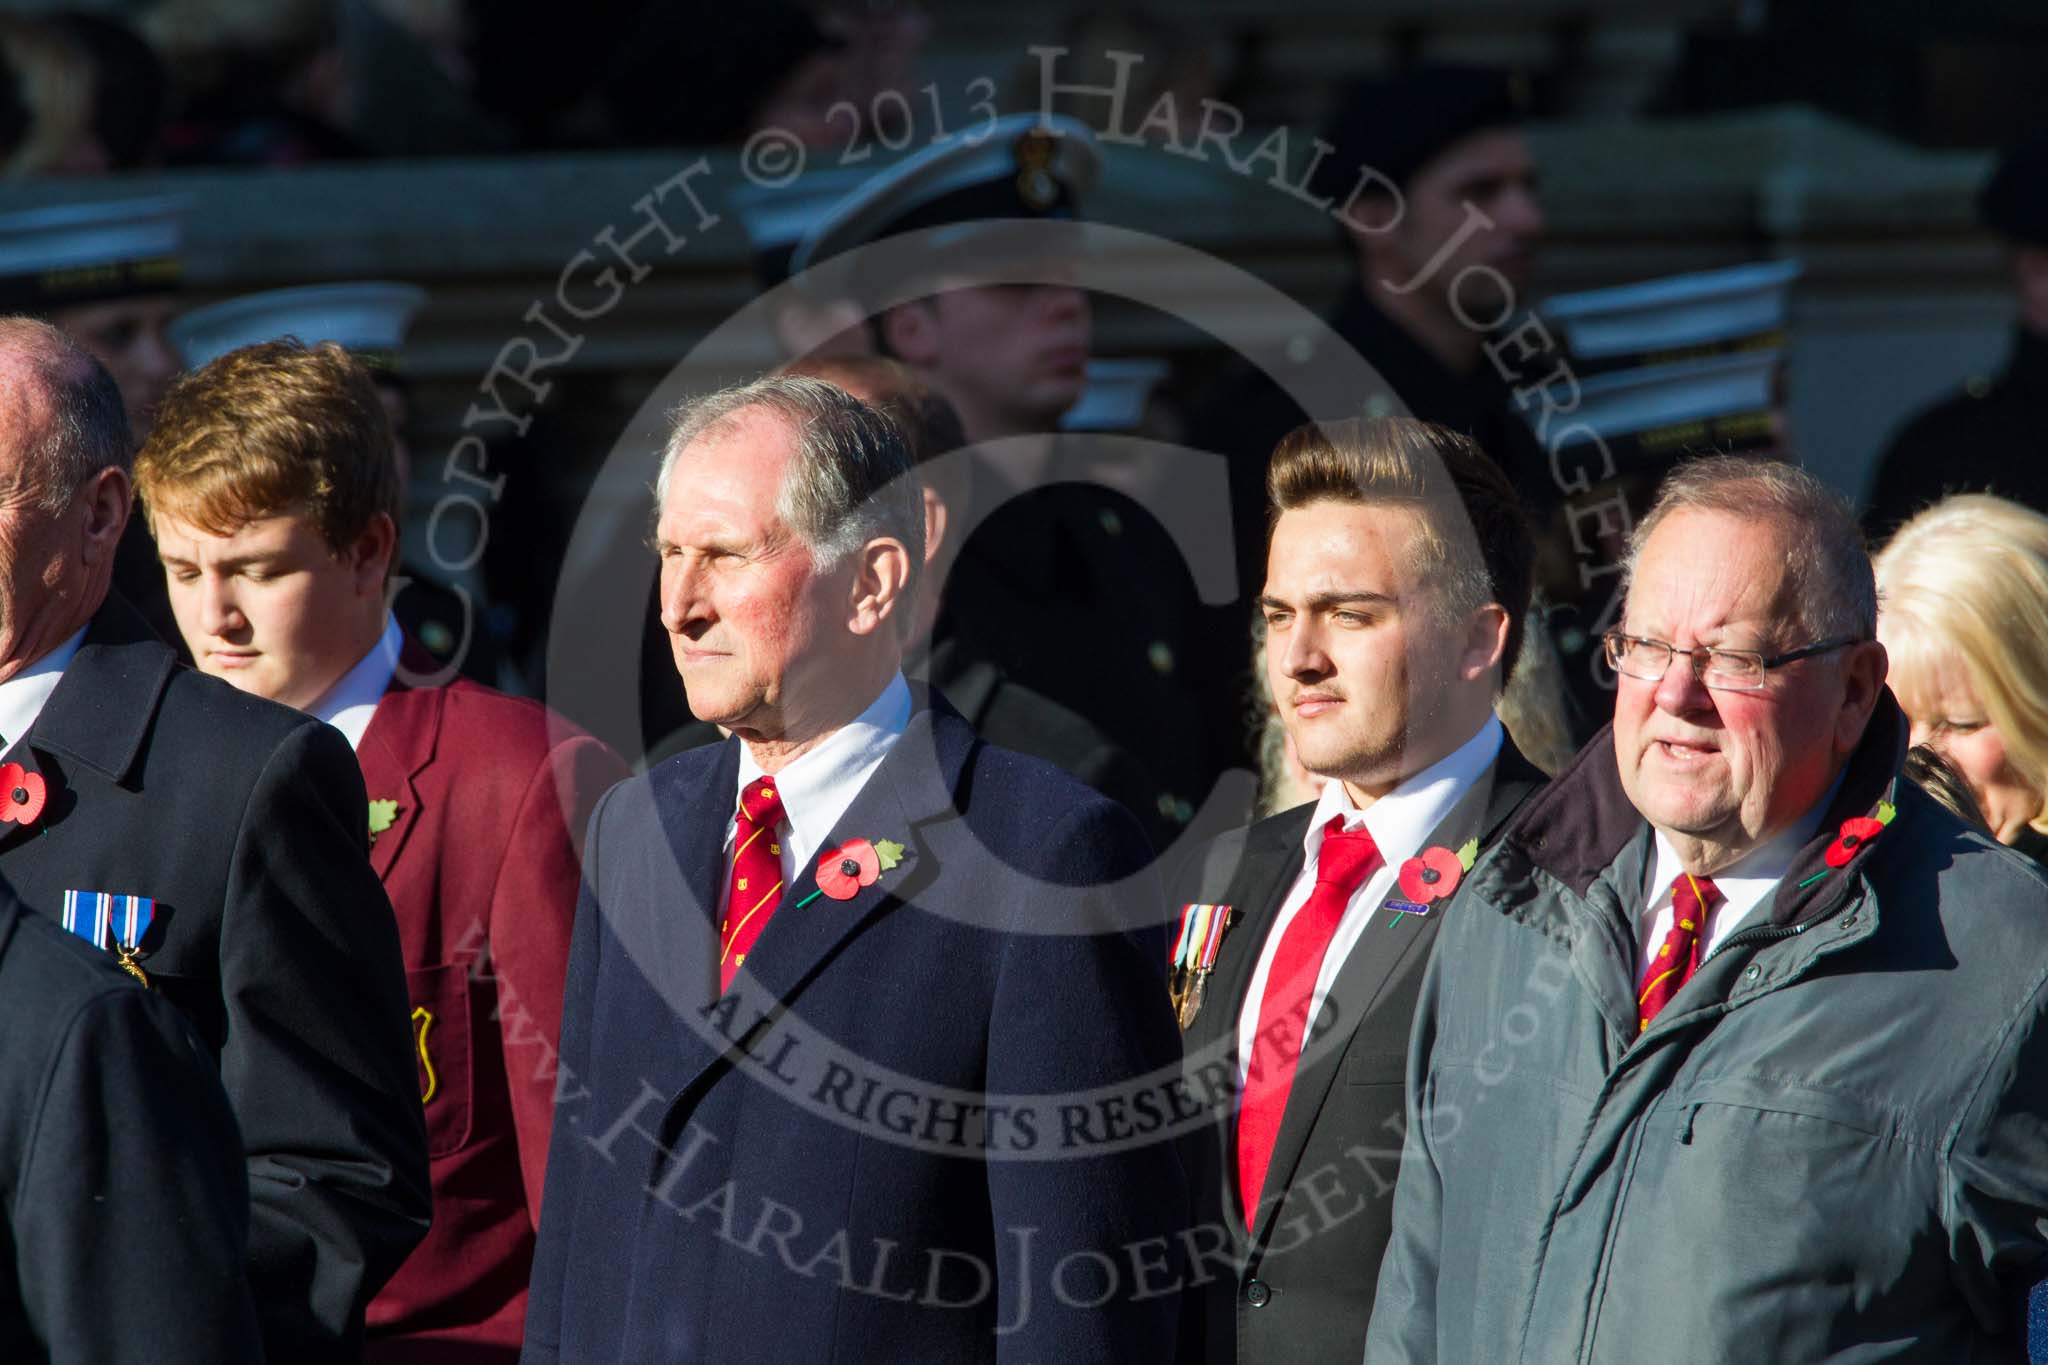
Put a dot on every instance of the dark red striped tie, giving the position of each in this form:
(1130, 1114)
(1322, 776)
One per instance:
(756, 875)
(1346, 860)
(1692, 900)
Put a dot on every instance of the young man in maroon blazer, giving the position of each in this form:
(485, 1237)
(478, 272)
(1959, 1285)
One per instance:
(271, 486)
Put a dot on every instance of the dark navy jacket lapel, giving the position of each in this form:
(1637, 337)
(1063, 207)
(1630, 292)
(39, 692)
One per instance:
(808, 925)
(911, 788)
(103, 706)
(684, 933)
(98, 714)
(1271, 859)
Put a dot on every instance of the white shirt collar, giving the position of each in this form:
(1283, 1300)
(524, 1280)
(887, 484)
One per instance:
(23, 695)
(1399, 823)
(818, 787)
(1744, 884)
(1404, 817)
(349, 704)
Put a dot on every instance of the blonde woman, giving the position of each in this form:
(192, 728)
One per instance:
(1963, 612)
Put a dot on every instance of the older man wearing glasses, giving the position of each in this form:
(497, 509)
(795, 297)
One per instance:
(1733, 1044)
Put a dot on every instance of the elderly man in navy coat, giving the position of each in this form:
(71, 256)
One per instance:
(866, 1054)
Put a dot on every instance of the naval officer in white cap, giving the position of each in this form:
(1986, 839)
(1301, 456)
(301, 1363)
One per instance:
(107, 276)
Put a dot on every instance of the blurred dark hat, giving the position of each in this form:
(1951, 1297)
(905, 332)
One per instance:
(2015, 201)
(693, 74)
(1397, 124)
(1023, 169)
(17, 120)
(134, 88)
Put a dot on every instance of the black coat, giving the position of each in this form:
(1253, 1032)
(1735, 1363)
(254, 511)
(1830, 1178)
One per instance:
(1080, 594)
(1010, 715)
(1992, 439)
(248, 824)
(1304, 1293)
(126, 1206)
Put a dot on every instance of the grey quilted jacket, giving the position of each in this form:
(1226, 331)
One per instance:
(1832, 1145)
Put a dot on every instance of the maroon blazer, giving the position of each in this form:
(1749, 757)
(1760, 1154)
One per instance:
(481, 859)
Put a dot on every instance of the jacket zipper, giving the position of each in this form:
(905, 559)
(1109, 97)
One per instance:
(1761, 934)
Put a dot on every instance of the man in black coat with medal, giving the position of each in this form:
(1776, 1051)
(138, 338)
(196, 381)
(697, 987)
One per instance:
(126, 1208)
(232, 833)
(1395, 586)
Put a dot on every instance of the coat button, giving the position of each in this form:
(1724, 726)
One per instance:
(1257, 1294)
(1753, 973)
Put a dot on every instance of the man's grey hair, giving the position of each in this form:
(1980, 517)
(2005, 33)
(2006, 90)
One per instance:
(1827, 562)
(87, 430)
(851, 481)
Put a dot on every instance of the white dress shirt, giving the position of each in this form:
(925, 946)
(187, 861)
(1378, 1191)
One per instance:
(817, 787)
(349, 704)
(1399, 823)
(1746, 884)
(22, 696)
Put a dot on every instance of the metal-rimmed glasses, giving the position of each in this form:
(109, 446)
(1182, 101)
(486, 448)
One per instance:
(1726, 670)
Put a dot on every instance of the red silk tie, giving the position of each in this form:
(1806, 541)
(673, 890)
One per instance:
(1692, 900)
(756, 875)
(1346, 860)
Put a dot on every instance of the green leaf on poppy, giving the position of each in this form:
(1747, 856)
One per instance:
(382, 813)
(1885, 812)
(1469, 854)
(888, 854)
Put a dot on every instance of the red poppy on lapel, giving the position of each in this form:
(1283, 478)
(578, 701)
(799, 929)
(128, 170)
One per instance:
(22, 794)
(845, 870)
(1856, 831)
(1431, 875)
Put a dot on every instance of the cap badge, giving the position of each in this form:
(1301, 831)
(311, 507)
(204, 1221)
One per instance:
(1035, 151)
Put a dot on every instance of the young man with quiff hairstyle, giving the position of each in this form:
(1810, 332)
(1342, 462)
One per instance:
(1397, 575)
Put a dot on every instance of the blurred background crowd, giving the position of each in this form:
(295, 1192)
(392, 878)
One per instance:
(121, 85)
(477, 151)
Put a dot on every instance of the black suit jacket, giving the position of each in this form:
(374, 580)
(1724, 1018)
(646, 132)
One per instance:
(249, 825)
(1299, 1286)
(124, 1210)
